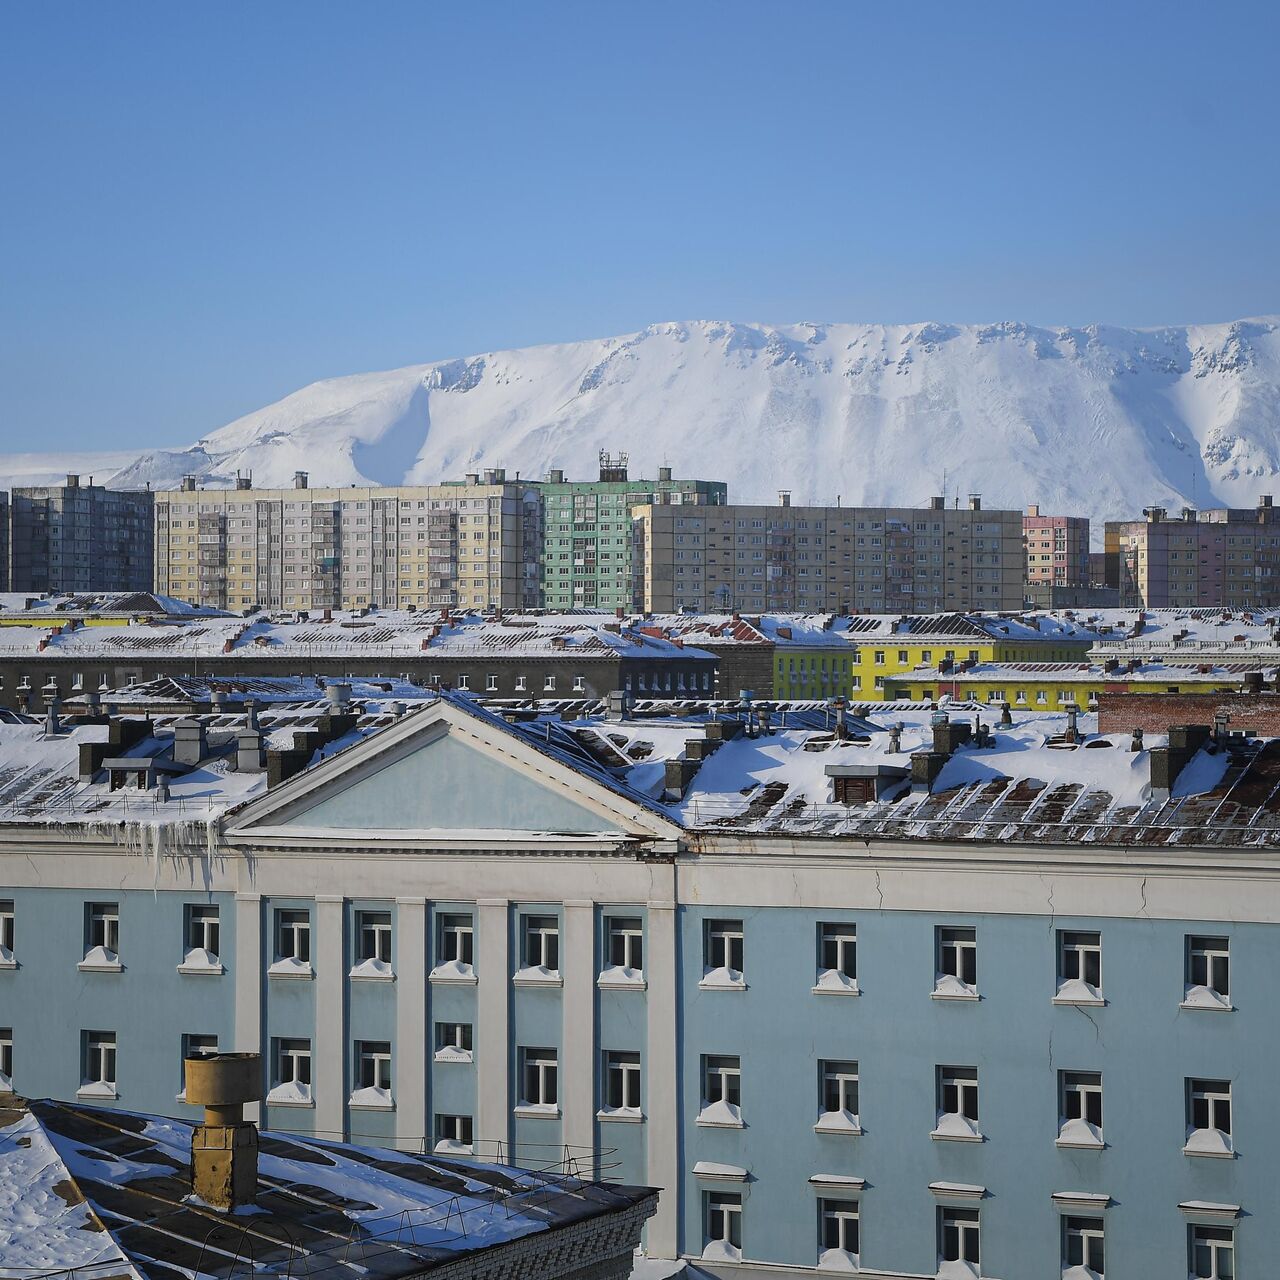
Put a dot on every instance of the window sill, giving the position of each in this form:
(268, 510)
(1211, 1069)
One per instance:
(100, 966)
(371, 971)
(289, 1102)
(972, 996)
(452, 976)
(1095, 1002)
(8, 962)
(622, 1115)
(831, 982)
(938, 1136)
(1078, 1144)
(98, 1089)
(1207, 1006)
(352, 1105)
(1213, 1145)
(203, 970)
(290, 969)
(720, 1124)
(839, 1128)
(537, 1111)
(617, 979)
(537, 978)
(716, 983)
(452, 1054)
(448, 1147)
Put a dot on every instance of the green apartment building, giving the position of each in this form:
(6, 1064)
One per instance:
(587, 538)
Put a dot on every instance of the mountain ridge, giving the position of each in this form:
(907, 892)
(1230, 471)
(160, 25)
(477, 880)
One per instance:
(1100, 420)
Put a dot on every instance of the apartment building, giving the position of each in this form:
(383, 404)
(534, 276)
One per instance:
(1227, 557)
(472, 543)
(788, 558)
(1057, 549)
(783, 983)
(587, 552)
(78, 537)
(4, 541)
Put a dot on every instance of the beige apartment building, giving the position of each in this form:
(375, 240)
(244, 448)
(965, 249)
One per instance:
(471, 543)
(828, 559)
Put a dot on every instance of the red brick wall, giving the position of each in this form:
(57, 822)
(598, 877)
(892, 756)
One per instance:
(1155, 712)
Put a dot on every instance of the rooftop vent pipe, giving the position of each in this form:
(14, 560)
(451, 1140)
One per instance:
(224, 1149)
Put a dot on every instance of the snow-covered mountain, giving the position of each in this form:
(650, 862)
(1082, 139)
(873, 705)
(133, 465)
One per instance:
(1102, 421)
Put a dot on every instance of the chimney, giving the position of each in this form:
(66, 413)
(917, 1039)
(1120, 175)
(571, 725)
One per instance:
(338, 692)
(664, 477)
(842, 719)
(249, 753)
(1253, 682)
(1189, 515)
(299, 479)
(617, 705)
(188, 484)
(975, 502)
(784, 497)
(1033, 509)
(937, 504)
(555, 476)
(472, 477)
(1073, 733)
(224, 1149)
(189, 745)
(73, 481)
(1136, 744)
(244, 482)
(895, 738)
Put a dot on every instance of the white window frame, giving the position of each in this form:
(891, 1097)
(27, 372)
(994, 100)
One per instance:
(491, 682)
(838, 1101)
(293, 935)
(1080, 1109)
(373, 1064)
(1212, 1098)
(1083, 1246)
(1207, 981)
(1216, 1242)
(454, 1134)
(103, 928)
(837, 958)
(6, 1057)
(374, 935)
(1079, 967)
(291, 1072)
(958, 1084)
(98, 1066)
(625, 941)
(723, 942)
(454, 1042)
(622, 1083)
(455, 947)
(721, 1080)
(956, 976)
(841, 1220)
(539, 1081)
(722, 1224)
(540, 942)
(959, 1237)
(204, 927)
(8, 933)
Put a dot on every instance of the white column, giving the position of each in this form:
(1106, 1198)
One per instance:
(248, 974)
(662, 1095)
(577, 1070)
(493, 1016)
(411, 1010)
(329, 1053)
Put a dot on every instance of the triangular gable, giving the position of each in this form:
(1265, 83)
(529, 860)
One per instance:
(446, 771)
(447, 785)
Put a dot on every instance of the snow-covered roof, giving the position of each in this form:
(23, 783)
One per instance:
(1093, 674)
(56, 607)
(110, 1191)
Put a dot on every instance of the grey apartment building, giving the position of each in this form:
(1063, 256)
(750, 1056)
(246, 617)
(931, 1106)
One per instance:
(77, 537)
(828, 559)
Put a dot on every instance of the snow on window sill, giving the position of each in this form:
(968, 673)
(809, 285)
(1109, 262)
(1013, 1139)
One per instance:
(1080, 1273)
(618, 977)
(7, 960)
(6, 1084)
(371, 1099)
(632, 1115)
(448, 1147)
(1209, 1142)
(721, 1251)
(721, 1115)
(1080, 1133)
(953, 1127)
(372, 969)
(97, 1089)
(538, 1110)
(291, 967)
(843, 1122)
(538, 976)
(453, 971)
(1205, 998)
(100, 960)
(1074, 991)
(837, 1260)
(957, 1271)
(452, 1053)
(946, 986)
(831, 982)
(198, 960)
(722, 980)
(291, 1094)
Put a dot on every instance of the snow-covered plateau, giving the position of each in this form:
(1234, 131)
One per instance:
(1101, 421)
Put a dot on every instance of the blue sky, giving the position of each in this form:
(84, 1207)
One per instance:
(209, 205)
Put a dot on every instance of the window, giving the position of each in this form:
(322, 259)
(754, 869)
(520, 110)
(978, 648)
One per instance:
(538, 1083)
(541, 941)
(1079, 967)
(373, 945)
(1212, 1252)
(722, 946)
(721, 1091)
(838, 1097)
(453, 1134)
(837, 1232)
(6, 1057)
(1082, 1252)
(98, 1064)
(193, 1046)
(1080, 1109)
(491, 682)
(549, 684)
(102, 935)
(1208, 1118)
(455, 941)
(293, 940)
(957, 971)
(723, 1224)
(957, 1103)
(1208, 977)
(373, 1072)
(837, 958)
(579, 683)
(625, 935)
(622, 1081)
(7, 932)
(202, 935)
(958, 1237)
(453, 1042)
(291, 1073)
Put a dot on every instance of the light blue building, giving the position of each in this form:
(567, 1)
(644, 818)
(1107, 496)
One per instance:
(890, 998)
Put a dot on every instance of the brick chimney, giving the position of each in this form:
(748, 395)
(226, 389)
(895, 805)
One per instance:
(224, 1149)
